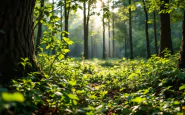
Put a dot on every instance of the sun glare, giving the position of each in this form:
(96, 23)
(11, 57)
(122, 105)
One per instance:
(98, 4)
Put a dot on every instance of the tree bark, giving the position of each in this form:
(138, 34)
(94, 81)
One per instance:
(181, 63)
(146, 32)
(155, 33)
(39, 34)
(16, 38)
(130, 32)
(165, 40)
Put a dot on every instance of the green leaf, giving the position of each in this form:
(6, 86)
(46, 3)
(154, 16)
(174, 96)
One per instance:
(61, 56)
(75, 102)
(138, 99)
(48, 46)
(68, 41)
(72, 96)
(176, 102)
(80, 91)
(13, 97)
(182, 87)
(72, 83)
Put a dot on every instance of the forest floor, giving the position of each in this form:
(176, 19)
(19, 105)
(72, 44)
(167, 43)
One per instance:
(106, 87)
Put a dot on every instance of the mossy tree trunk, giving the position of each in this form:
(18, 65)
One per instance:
(16, 38)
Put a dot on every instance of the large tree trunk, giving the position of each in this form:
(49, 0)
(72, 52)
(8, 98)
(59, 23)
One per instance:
(16, 38)
(181, 63)
(165, 40)
(39, 33)
(130, 32)
(146, 32)
(155, 33)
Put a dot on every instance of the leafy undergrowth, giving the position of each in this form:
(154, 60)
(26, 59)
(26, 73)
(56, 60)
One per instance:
(112, 87)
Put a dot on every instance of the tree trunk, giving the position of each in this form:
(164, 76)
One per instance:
(92, 42)
(61, 19)
(16, 38)
(91, 46)
(86, 30)
(104, 52)
(39, 34)
(66, 15)
(113, 44)
(165, 40)
(109, 34)
(130, 32)
(181, 63)
(109, 37)
(146, 32)
(155, 33)
(53, 34)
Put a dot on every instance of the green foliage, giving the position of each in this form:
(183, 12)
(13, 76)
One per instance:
(8, 100)
(153, 86)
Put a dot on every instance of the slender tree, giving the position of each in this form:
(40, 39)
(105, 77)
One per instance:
(155, 32)
(165, 38)
(109, 33)
(92, 42)
(146, 31)
(61, 19)
(16, 38)
(86, 27)
(113, 41)
(130, 31)
(39, 33)
(103, 21)
(53, 13)
(67, 7)
(181, 63)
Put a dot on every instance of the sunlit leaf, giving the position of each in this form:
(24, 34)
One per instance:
(182, 87)
(75, 102)
(72, 83)
(13, 96)
(72, 96)
(138, 99)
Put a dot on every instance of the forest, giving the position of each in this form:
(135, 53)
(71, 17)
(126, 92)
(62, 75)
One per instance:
(92, 57)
